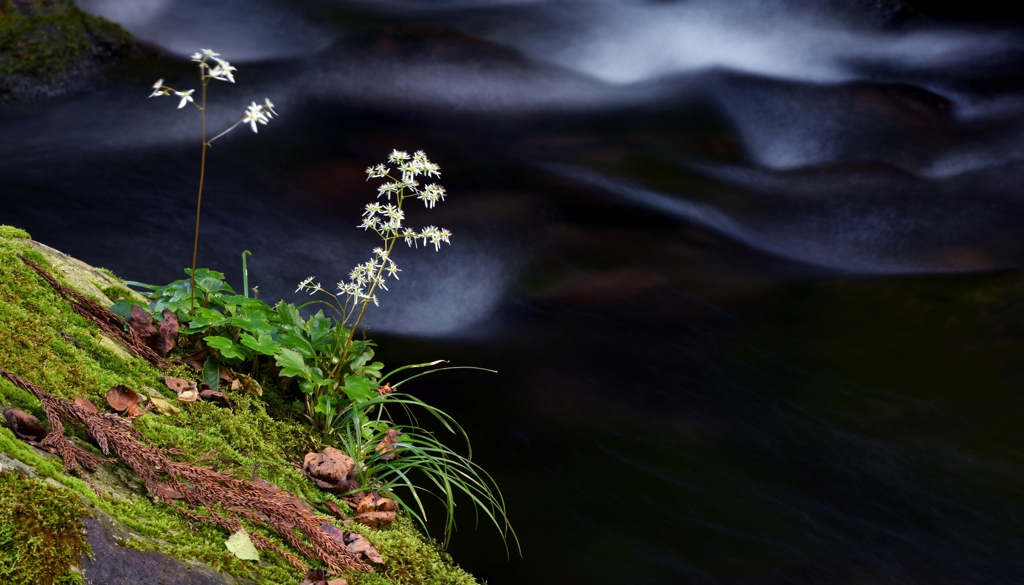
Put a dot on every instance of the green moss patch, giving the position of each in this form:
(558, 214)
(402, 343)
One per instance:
(45, 342)
(41, 532)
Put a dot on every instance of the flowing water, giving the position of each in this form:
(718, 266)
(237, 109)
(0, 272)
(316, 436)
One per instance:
(750, 271)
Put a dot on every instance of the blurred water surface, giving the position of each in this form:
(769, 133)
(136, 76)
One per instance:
(749, 270)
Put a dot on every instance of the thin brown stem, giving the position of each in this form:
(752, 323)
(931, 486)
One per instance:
(235, 125)
(199, 199)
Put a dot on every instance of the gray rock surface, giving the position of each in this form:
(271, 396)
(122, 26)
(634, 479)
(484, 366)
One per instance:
(113, 564)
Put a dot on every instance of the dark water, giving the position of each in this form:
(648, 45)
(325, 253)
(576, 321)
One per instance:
(750, 271)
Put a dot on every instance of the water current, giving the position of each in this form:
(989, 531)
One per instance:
(749, 270)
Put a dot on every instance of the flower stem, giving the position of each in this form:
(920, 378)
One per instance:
(199, 200)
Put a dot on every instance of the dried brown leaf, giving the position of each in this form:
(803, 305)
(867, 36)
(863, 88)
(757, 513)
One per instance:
(387, 445)
(375, 519)
(367, 504)
(329, 465)
(164, 407)
(141, 324)
(177, 384)
(197, 359)
(335, 510)
(190, 395)
(24, 425)
(168, 335)
(358, 545)
(165, 491)
(246, 384)
(385, 389)
(123, 399)
(85, 403)
(218, 397)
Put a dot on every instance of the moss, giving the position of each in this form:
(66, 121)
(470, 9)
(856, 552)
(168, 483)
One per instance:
(7, 232)
(35, 321)
(411, 559)
(115, 292)
(46, 38)
(41, 532)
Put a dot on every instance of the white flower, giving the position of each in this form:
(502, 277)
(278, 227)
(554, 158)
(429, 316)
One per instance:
(410, 235)
(304, 283)
(397, 156)
(186, 97)
(223, 72)
(209, 53)
(269, 105)
(158, 88)
(197, 57)
(253, 114)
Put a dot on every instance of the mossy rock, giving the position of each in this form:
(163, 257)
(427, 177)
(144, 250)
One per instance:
(45, 45)
(47, 343)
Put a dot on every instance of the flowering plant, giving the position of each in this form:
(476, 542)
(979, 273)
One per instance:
(211, 66)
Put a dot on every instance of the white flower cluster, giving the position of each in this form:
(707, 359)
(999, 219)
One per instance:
(222, 70)
(386, 221)
(261, 113)
(410, 167)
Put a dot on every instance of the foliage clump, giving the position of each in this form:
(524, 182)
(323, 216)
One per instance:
(41, 532)
(35, 321)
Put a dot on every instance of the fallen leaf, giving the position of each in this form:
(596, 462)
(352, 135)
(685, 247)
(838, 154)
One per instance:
(387, 445)
(86, 404)
(141, 324)
(24, 425)
(167, 491)
(197, 359)
(241, 546)
(329, 465)
(246, 384)
(335, 510)
(164, 407)
(225, 374)
(164, 342)
(385, 389)
(190, 395)
(375, 519)
(177, 384)
(374, 502)
(218, 397)
(338, 581)
(358, 545)
(122, 398)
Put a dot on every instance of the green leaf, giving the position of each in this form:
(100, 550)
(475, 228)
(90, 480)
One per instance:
(360, 359)
(122, 308)
(359, 388)
(292, 364)
(241, 546)
(262, 343)
(251, 322)
(371, 370)
(228, 348)
(318, 328)
(211, 372)
(290, 317)
(297, 342)
(326, 406)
